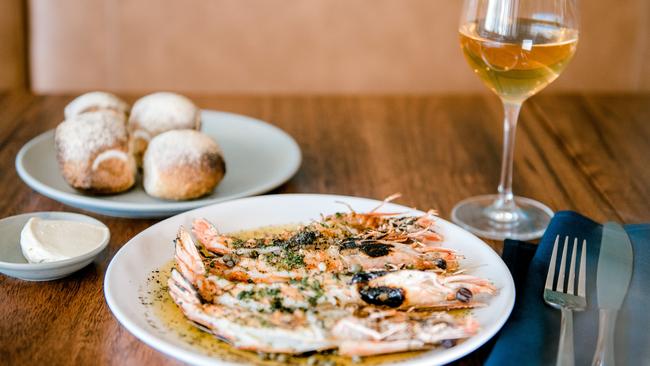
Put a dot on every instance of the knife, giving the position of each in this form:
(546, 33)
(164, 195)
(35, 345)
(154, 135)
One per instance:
(612, 280)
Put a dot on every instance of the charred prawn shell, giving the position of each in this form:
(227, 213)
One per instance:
(379, 295)
(376, 250)
(302, 238)
(349, 243)
(364, 277)
(382, 296)
(371, 248)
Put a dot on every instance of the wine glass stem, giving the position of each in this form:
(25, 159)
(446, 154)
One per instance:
(504, 209)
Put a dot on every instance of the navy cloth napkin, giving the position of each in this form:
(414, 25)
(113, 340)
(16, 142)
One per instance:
(531, 335)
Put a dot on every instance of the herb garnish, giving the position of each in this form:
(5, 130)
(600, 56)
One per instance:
(237, 243)
(289, 256)
(246, 295)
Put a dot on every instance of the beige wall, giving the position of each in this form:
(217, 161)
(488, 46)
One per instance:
(12, 45)
(297, 46)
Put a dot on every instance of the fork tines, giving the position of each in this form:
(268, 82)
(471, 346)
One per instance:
(572, 267)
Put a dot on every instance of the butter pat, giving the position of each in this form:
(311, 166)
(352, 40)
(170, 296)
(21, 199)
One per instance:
(54, 240)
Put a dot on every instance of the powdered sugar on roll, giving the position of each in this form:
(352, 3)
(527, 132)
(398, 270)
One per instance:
(96, 101)
(164, 111)
(182, 164)
(181, 147)
(157, 113)
(81, 137)
(92, 151)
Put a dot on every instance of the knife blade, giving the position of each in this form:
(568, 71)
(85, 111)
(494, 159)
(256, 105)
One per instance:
(613, 274)
(614, 269)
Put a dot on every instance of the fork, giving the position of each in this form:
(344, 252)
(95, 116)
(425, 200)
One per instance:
(567, 300)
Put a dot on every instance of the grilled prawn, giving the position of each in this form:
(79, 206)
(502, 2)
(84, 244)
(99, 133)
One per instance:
(362, 284)
(339, 243)
(401, 288)
(301, 331)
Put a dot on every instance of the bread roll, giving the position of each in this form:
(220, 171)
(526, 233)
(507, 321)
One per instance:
(92, 150)
(182, 164)
(157, 113)
(96, 101)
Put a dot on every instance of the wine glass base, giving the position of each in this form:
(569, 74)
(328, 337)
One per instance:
(528, 221)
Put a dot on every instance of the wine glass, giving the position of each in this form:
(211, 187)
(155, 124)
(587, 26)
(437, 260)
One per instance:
(516, 47)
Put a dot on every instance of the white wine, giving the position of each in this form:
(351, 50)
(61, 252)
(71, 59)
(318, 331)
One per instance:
(516, 47)
(517, 67)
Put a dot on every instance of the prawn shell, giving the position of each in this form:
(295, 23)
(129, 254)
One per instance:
(363, 277)
(392, 297)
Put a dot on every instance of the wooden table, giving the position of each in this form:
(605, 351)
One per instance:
(589, 153)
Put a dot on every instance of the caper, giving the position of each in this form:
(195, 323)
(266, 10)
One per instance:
(355, 268)
(441, 263)
(463, 294)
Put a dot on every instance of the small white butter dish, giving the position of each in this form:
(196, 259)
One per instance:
(14, 264)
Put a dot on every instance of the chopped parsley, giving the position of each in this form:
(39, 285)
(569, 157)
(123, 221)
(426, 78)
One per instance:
(259, 294)
(272, 295)
(269, 292)
(287, 259)
(237, 243)
(289, 256)
(246, 295)
(277, 305)
(293, 259)
(314, 288)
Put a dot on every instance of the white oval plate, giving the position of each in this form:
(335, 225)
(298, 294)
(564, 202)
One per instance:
(127, 273)
(258, 155)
